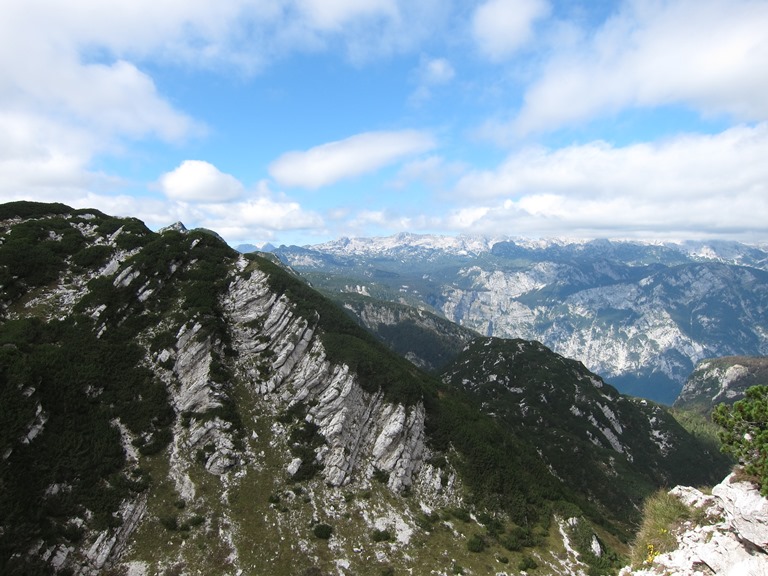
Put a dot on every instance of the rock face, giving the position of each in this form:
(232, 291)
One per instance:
(732, 540)
(721, 380)
(363, 433)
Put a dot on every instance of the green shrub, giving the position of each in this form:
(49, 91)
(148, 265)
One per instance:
(380, 476)
(93, 256)
(745, 432)
(476, 544)
(170, 522)
(527, 563)
(322, 531)
(27, 209)
(381, 535)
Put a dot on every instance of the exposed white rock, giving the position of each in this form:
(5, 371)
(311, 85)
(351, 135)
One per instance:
(293, 466)
(362, 431)
(192, 369)
(125, 277)
(36, 426)
(110, 543)
(746, 509)
(732, 542)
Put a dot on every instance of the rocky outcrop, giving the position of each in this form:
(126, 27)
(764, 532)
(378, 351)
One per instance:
(110, 543)
(721, 380)
(747, 512)
(281, 356)
(731, 540)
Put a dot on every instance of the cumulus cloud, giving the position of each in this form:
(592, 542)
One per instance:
(691, 184)
(202, 195)
(353, 156)
(263, 216)
(501, 27)
(46, 68)
(199, 181)
(711, 55)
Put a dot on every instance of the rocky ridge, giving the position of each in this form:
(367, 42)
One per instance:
(363, 432)
(261, 342)
(425, 339)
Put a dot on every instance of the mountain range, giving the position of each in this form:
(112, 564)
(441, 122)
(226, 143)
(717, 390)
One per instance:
(171, 406)
(639, 314)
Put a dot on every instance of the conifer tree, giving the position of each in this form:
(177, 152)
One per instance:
(745, 432)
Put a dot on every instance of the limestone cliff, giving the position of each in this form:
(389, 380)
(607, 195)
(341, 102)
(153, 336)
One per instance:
(362, 431)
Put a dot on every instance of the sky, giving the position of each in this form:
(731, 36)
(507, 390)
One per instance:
(301, 121)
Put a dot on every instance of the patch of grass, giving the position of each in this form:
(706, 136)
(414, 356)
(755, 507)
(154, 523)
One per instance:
(663, 514)
(699, 426)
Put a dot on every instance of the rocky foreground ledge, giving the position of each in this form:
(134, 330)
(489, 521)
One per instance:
(732, 540)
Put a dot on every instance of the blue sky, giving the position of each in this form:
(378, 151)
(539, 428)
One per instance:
(299, 121)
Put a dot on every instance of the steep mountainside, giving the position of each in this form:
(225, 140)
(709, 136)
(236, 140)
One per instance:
(640, 315)
(576, 422)
(168, 406)
(718, 380)
(427, 340)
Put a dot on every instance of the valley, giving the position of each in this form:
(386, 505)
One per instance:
(639, 314)
(171, 406)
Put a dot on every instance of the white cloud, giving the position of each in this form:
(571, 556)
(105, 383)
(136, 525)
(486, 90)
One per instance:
(501, 27)
(333, 14)
(711, 55)
(199, 181)
(353, 156)
(205, 196)
(432, 72)
(264, 216)
(689, 185)
(80, 69)
(45, 70)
